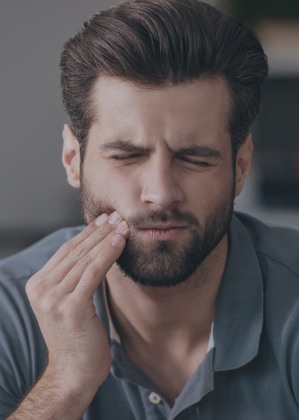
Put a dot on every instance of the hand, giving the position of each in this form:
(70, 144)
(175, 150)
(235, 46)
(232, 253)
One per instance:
(61, 295)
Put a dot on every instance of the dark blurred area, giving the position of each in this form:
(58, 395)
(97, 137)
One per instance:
(254, 11)
(277, 145)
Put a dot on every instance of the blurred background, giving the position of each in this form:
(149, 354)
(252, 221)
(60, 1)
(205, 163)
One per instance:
(35, 197)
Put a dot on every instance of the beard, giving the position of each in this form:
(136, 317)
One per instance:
(165, 263)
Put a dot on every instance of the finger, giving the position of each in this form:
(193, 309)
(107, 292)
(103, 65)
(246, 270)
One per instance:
(72, 244)
(88, 273)
(75, 251)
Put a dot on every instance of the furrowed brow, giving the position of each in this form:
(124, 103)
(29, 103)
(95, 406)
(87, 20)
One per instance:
(121, 145)
(200, 151)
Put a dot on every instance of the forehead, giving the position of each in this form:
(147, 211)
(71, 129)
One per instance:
(185, 112)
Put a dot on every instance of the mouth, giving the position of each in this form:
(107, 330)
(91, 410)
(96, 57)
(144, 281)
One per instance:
(163, 231)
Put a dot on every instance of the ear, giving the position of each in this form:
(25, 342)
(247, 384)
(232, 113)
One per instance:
(71, 156)
(243, 163)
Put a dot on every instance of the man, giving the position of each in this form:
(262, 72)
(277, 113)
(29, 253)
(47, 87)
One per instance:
(167, 305)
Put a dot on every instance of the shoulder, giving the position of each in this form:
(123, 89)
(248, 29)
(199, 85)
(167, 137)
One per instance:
(277, 247)
(277, 253)
(277, 250)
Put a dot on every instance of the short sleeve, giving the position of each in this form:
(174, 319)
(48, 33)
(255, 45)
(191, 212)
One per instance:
(22, 348)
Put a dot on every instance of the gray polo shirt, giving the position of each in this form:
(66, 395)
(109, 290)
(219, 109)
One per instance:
(250, 373)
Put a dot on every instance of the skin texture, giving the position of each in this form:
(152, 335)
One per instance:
(150, 151)
(61, 297)
(158, 237)
(160, 159)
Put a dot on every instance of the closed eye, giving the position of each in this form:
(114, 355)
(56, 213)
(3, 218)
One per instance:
(126, 157)
(200, 163)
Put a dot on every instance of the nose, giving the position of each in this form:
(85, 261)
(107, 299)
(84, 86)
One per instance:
(160, 185)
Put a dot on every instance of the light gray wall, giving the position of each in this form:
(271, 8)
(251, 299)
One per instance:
(33, 190)
(35, 197)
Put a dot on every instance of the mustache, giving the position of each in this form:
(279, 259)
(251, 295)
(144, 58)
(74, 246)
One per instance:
(92, 208)
(162, 216)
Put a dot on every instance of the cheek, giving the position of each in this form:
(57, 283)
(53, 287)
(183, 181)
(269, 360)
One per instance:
(117, 189)
(209, 190)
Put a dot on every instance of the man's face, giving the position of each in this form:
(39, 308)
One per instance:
(162, 158)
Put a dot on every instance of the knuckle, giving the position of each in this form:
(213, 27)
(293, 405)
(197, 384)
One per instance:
(100, 232)
(34, 289)
(78, 254)
(67, 247)
(51, 306)
(92, 271)
(83, 261)
(89, 229)
(73, 253)
(73, 244)
(44, 303)
(105, 253)
(102, 261)
(86, 232)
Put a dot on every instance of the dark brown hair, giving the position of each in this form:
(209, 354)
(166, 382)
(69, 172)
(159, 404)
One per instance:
(160, 42)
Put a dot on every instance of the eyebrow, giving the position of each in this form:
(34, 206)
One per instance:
(200, 151)
(193, 150)
(122, 145)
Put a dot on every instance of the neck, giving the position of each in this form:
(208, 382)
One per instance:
(149, 317)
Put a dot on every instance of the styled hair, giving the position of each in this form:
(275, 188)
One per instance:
(160, 42)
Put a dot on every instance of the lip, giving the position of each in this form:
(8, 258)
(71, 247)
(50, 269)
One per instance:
(162, 226)
(163, 232)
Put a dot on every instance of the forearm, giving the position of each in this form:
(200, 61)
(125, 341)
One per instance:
(50, 400)
(60, 294)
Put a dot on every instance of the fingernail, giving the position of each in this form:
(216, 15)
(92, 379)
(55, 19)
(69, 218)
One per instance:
(114, 218)
(117, 240)
(101, 219)
(122, 227)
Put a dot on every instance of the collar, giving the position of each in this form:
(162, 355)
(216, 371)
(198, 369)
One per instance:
(238, 320)
(239, 315)
(112, 331)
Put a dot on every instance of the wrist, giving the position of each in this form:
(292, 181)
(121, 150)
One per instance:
(73, 389)
(55, 399)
